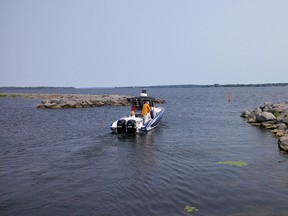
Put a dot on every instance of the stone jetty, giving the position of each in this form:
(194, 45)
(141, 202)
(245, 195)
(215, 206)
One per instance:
(57, 101)
(272, 116)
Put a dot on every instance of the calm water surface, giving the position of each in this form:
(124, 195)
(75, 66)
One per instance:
(66, 162)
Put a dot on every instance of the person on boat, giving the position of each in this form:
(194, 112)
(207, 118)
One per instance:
(146, 111)
(132, 114)
(133, 108)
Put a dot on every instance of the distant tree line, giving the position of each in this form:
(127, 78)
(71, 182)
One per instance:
(219, 85)
(37, 87)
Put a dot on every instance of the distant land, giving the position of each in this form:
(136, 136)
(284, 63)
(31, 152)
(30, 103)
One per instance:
(35, 87)
(158, 86)
(209, 86)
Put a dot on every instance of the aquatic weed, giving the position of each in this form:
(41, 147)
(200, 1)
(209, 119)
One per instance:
(234, 163)
(190, 209)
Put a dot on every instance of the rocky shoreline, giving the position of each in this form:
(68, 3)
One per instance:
(271, 116)
(58, 101)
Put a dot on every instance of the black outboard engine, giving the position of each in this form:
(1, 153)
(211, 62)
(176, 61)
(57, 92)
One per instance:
(121, 126)
(131, 126)
(151, 113)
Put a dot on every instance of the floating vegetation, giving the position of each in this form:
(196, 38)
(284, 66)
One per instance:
(3, 95)
(190, 209)
(234, 163)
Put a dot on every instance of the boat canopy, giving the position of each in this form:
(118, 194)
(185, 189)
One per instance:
(138, 102)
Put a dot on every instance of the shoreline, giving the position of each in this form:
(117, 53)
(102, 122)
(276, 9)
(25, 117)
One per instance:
(58, 101)
(273, 117)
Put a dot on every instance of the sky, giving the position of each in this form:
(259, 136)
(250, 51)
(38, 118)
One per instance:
(117, 43)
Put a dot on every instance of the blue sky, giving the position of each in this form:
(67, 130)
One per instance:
(107, 43)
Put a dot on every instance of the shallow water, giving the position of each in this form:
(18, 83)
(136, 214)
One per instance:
(66, 162)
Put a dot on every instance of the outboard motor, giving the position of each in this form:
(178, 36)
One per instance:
(121, 126)
(131, 126)
(152, 113)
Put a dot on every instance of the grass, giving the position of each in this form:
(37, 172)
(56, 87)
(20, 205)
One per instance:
(276, 113)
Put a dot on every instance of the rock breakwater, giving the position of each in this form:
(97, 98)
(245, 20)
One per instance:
(272, 116)
(84, 101)
(57, 101)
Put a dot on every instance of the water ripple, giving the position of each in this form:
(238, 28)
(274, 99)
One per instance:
(66, 162)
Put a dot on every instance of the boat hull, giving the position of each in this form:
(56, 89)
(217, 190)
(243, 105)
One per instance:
(153, 122)
(133, 125)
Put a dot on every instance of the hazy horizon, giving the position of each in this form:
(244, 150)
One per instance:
(142, 43)
(227, 84)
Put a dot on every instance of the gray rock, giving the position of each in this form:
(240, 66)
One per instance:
(280, 107)
(41, 106)
(266, 107)
(78, 105)
(69, 104)
(283, 143)
(245, 114)
(264, 116)
(281, 126)
(50, 105)
(55, 100)
(285, 120)
(78, 101)
(90, 103)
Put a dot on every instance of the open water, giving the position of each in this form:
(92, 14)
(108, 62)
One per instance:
(66, 161)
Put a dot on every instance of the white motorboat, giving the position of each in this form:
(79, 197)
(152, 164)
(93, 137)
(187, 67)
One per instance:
(136, 123)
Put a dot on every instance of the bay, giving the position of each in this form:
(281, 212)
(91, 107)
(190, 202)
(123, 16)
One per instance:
(66, 162)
